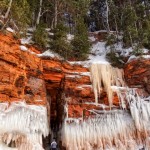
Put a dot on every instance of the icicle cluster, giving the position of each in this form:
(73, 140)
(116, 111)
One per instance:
(103, 132)
(24, 124)
(105, 76)
(140, 109)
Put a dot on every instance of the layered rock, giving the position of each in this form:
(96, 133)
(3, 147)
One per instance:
(72, 81)
(21, 76)
(137, 74)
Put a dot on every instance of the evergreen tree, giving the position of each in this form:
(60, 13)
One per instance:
(80, 43)
(40, 36)
(59, 44)
(16, 14)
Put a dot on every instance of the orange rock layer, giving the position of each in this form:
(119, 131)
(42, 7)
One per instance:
(137, 74)
(73, 82)
(26, 77)
(21, 73)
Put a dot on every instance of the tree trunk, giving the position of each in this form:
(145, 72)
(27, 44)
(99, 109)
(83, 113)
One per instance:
(131, 40)
(107, 18)
(52, 24)
(116, 29)
(39, 14)
(8, 10)
(56, 13)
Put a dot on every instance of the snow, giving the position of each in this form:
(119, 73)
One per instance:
(84, 86)
(97, 55)
(10, 30)
(146, 56)
(48, 29)
(91, 38)
(50, 33)
(73, 76)
(70, 37)
(31, 29)
(80, 73)
(23, 48)
(49, 53)
(133, 57)
(26, 40)
(85, 74)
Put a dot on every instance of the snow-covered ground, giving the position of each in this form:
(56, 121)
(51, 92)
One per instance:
(99, 50)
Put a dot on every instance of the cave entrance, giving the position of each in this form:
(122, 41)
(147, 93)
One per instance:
(55, 106)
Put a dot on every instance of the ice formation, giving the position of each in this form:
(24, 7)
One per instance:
(23, 125)
(124, 129)
(105, 76)
(103, 132)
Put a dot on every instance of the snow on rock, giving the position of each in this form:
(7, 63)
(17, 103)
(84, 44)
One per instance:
(26, 40)
(31, 29)
(24, 124)
(92, 38)
(133, 57)
(10, 30)
(98, 53)
(48, 53)
(146, 56)
(23, 48)
(48, 29)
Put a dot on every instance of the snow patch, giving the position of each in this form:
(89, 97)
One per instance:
(48, 53)
(23, 48)
(133, 57)
(26, 40)
(10, 30)
(70, 37)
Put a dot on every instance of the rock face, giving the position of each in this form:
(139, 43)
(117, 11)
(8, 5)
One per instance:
(137, 74)
(21, 74)
(70, 85)
(26, 77)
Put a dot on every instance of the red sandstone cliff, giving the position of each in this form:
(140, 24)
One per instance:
(21, 73)
(25, 76)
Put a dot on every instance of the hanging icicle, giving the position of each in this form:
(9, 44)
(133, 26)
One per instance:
(24, 124)
(105, 131)
(103, 76)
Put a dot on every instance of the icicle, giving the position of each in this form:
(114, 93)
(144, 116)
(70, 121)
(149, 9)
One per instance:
(24, 124)
(107, 76)
(100, 131)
